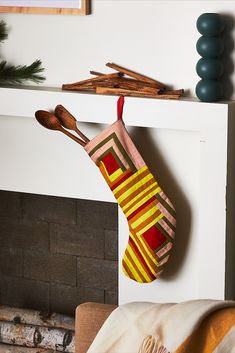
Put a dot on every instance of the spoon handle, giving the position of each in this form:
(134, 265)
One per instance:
(81, 135)
(82, 143)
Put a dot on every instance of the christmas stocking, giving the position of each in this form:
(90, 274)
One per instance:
(150, 214)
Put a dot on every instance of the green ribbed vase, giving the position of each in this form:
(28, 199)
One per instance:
(210, 67)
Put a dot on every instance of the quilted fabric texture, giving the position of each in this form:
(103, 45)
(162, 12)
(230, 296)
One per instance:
(150, 214)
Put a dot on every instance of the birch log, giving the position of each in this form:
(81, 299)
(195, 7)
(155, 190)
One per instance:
(34, 317)
(5, 348)
(35, 336)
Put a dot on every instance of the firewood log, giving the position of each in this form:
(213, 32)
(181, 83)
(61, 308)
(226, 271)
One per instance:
(34, 317)
(6, 348)
(35, 336)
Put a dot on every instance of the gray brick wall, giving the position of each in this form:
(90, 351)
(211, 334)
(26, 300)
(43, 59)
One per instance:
(57, 252)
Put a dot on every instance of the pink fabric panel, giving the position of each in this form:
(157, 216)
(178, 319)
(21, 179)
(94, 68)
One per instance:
(100, 137)
(162, 194)
(104, 148)
(158, 274)
(166, 248)
(166, 214)
(129, 146)
(167, 228)
(122, 134)
(164, 260)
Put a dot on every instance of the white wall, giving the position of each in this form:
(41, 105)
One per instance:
(156, 38)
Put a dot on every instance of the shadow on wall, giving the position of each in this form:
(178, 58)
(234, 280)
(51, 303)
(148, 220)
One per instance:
(230, 204)
(160, 169)
(227, 56)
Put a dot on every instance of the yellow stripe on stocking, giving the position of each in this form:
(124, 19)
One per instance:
(132, 177)
(115, 175)
(147, 260)
(132, 269)
(138, 264)
(140, 194)
(145, 216)
(135, 187)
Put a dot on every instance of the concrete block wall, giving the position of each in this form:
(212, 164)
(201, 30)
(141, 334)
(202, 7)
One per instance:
(56, 253)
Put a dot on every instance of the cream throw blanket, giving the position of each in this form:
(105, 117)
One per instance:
(198, 326)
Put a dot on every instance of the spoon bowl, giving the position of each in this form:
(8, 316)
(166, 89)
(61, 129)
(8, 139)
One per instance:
(68, 121)
(51, 122)
(48, 120)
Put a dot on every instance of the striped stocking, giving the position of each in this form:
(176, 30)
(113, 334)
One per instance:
(150, 214)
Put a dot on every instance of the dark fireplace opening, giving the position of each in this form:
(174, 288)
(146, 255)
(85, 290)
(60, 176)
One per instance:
(57, 252)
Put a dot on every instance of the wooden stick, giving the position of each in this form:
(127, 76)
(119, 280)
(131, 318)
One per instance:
(78, 87)
(168, 96)
(131, 93)
(94, 79)
(134, 74)
(96, 73)
(119, 91)
(135, 81)
(150, 90)
(105, 84)
(129, 84)
(176, 91)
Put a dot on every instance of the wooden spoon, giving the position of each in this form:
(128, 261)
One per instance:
(68, 121)
(51, 122)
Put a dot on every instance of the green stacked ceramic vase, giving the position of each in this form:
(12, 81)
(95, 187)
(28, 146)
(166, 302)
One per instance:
(210, 68)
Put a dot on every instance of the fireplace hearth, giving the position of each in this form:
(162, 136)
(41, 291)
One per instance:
(57, 252)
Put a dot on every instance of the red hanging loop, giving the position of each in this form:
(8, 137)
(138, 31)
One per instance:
(120, 104)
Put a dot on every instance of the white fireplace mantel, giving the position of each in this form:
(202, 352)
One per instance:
(189, 146)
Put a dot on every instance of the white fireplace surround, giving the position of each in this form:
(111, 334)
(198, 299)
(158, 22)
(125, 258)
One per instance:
(189, 147)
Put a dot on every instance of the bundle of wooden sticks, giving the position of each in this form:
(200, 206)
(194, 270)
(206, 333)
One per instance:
(118, 84)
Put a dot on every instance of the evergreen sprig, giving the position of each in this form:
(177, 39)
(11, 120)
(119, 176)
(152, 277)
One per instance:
(19, 74)
(3, 31)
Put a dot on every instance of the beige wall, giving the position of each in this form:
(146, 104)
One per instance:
(156, 38)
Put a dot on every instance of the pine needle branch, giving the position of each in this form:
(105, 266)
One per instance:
(3, 31)
(19, 74)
